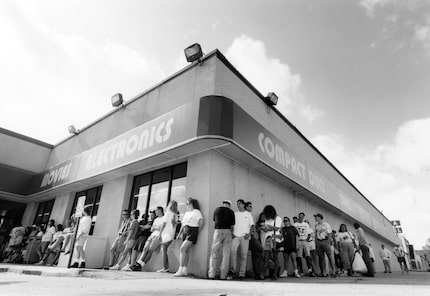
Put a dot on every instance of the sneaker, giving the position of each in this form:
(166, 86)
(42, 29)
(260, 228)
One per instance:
(126, 268)
(184, 271)
(241, 277)
(296, 274)
(136, 267)
(74, 265)
(163, 270)
(179, 272)
(115, 267)
(82, 265)
(39, 263)
(284, 274)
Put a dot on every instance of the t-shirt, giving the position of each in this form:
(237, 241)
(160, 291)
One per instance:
(84, 226)
(224, 218)
(399, 252)
(133, 230)
(322, 230)
(243, 223)
(303, 229)
(385, 254)
(277, 223)
(191, 218)
(47, 236)
(344, 237)
(289, 233)
(362, 240)
(156, 226)
(169, 231)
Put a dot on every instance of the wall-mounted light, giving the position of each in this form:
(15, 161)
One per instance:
(73, 130)
(271, 99)
(193, 52)
(117, 100)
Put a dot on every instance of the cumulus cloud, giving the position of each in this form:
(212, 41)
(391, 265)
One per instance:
(371, 5)
(270, 74)
(63, 75)
(393, 176)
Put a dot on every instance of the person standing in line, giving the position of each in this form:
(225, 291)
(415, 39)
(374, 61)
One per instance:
(167, 232)
(400, 254)
(192, 222)
(385, 255)
(312, 250)
(364, 247)
(290, 235)
(222, 239)
(271, 237)
(118, 244)
(129, 243)
(152, 243)
(323, 232)
(256, 249)
(81, 237)
(345, 242)
(241, 234)
(303, 243)
(46, 238)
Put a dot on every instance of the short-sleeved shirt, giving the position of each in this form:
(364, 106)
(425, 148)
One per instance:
(277, 223)
(169, 231)
(344, 237)
(362, 240)
(289, 233)
(133, 230)
(156, 225)
(224, 218)
(243, 223)
(48, 235)
(303, 229)
(322, 231)
(191, 218)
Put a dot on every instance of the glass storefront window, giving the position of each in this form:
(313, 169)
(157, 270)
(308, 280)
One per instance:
(157, 188)
(43, 212)
(92, 198)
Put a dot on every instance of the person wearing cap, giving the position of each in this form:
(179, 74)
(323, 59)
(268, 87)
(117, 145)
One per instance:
(303, 243)
(241, 234)
(323, 232)
(224, 220)
(364, 247)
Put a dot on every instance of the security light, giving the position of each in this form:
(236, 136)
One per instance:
(193, 52)
(271, 99)
(73, 130)
(117, 100)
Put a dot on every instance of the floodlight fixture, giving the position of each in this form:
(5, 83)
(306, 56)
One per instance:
(117, 100)
(271, 99)
(73, 130)
(193, 52)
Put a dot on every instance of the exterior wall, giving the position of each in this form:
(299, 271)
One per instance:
(62, 208)
(29, 214)
(191, 84)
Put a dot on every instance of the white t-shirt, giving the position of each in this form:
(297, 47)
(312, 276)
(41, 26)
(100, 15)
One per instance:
(304, 229)
(156, 226)
(191, 218)
(243, 223)
(276, 223)
(169, 231)
(322, 230)
(47, 236)
(344, 237)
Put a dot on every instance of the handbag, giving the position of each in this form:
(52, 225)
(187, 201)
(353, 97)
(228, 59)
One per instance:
(358, 264)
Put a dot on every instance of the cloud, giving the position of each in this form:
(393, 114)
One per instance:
(393, 176)
(54, 79)
(269, 74)
(371, 5)
(422, 35)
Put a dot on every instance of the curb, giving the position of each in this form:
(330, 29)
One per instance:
(41, 272)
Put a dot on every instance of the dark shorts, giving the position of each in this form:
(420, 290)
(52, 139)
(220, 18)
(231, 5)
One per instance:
(140, 243)
(190, 234)
(289, 250)
(401, 260)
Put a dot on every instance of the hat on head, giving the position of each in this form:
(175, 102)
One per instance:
(319, 215)
(227, 201)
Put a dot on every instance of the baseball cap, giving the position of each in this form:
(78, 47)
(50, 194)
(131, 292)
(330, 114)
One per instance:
(319, 215)
(227, 201)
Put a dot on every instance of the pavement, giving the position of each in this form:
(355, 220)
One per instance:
(33, 280)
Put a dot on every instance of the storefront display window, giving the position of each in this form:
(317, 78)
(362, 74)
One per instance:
(43, 212)
(92, 198)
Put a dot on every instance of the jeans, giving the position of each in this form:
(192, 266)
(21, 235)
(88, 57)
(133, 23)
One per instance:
(243, 244)
(366, 257)
(257, 252)
(222, 240)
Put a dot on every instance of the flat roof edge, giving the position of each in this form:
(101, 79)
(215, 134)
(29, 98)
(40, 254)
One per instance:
(25, 138)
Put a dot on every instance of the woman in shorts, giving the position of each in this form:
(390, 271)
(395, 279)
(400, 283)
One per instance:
(167, 232)
(81, 237)
(191, 223)
(129, 242)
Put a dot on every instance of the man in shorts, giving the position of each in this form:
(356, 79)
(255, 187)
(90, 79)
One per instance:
(303, 243)
(400, 254)
(290, 234)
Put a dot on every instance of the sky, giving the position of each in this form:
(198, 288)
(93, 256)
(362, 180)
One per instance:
(352, 76)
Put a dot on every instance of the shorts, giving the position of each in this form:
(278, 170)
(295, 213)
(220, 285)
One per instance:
(130, 244)
(140, 243)
(289, 250)
(401, 260)
(190, 234)
(81, 241)
(118, 245)
(303, 248)
(153, 242)
(323, 246)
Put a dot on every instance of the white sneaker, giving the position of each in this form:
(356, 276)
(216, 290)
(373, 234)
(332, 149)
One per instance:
(115, 267)
(284, 274)
(126, 268)
(180, 272)
(296, 273)
(164, 270)
(184, 271)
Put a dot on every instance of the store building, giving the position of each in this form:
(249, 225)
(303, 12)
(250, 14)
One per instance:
(204, 132)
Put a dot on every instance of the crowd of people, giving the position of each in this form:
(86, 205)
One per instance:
(305, 250)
